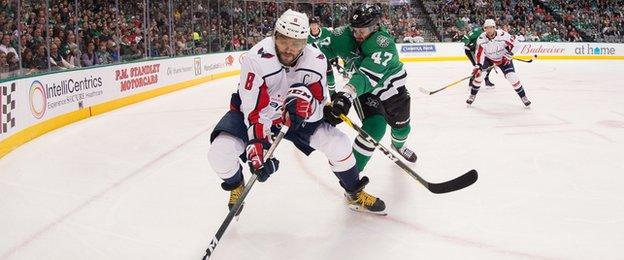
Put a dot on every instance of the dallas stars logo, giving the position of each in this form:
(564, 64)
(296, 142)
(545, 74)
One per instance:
(372, 102)
(338, 31)
(382, 41)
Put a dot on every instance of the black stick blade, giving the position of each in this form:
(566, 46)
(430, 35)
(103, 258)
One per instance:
(458, 183)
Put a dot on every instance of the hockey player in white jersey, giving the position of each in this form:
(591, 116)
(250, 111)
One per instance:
(282, 81)
(494, 47)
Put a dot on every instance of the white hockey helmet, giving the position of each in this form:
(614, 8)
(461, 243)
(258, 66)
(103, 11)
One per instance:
(293, 24)
(489, 23)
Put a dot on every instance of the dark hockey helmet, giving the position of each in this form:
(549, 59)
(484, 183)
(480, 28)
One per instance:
(314, 19)
(365, 15)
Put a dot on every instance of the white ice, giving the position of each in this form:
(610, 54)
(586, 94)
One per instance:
(135, 183)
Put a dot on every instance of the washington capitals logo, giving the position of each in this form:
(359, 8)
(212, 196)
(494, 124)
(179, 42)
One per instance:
(265, 55)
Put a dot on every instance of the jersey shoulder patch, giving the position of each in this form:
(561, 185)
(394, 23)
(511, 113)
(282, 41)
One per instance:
(264, 54)
(339, 31)
(382, 41)
(312, 53)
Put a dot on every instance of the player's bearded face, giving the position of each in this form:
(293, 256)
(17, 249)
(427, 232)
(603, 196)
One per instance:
(288, 49)
(360, 34)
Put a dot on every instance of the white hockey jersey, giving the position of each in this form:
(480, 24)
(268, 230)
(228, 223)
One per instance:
(498, 49)
(264, 83)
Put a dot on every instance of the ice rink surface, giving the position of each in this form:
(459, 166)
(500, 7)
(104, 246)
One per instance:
(135, 183)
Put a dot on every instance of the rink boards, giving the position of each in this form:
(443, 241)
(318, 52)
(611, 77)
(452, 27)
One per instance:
(33, 106)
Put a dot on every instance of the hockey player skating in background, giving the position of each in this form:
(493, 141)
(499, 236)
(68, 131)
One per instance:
(321, 36)
(282, 82)
(377, 85)
(470, 46)
(494, 47)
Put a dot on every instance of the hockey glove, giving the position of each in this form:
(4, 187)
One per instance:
(506, 61)
(255, 158)
(299, 105)
(340, 69)
(476, 71)
(341, 103)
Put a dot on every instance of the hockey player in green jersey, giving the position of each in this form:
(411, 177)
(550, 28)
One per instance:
(321, 36)
(470, 46)
(377, 84)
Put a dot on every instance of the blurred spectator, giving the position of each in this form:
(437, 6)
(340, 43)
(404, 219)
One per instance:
(41, 57)
(89, 58)
(5, 45)
(28, 60)
(56, 61)
(13, 61)
(69, 60)
(155, 49)
(4, 66)
(103, 56)
(111, 47)
(166, 47)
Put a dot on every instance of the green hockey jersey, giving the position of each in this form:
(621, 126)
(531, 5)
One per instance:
(322, 39)
(470, 39)
(340, 44)
(374, 64)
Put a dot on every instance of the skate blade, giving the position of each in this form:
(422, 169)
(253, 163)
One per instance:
(364, 210)
(408, 161)
(411, 162)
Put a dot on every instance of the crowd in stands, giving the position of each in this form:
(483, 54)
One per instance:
(61, 38)
(98, 32)
(602, 20)
(455, 18)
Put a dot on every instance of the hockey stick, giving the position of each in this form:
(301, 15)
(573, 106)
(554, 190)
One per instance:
(458, 183)
(527, 61)
(423, 90)
(236, 207)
